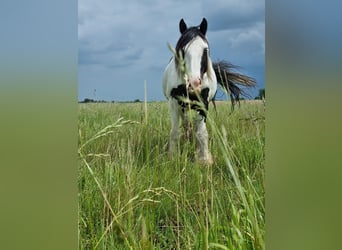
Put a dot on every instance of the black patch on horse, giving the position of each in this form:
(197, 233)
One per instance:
(204, 62)
(181, 94)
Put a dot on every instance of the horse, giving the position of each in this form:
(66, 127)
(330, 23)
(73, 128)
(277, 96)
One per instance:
(190, 81)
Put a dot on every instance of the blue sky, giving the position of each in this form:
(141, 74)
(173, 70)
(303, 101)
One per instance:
(123, 43)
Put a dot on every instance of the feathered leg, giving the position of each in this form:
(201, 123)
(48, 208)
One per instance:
(175, 130)
(202, 149)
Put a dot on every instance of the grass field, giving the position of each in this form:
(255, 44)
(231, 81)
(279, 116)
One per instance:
(133, 195)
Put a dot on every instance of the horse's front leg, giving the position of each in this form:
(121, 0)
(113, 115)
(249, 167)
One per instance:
(202, 149)
(187, 125)
(175, 130)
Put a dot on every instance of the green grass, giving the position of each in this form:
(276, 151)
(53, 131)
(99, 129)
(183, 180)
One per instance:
(133, 195)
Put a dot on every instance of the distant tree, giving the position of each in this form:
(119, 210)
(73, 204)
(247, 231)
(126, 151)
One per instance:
(86, 100)
(261, 95)
(136, 100)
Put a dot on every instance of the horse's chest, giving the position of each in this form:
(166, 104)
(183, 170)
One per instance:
(193, 100)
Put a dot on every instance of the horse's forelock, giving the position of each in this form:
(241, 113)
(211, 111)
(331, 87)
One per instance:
(187, 37)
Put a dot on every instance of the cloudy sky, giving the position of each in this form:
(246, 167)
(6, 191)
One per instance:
(122, 43)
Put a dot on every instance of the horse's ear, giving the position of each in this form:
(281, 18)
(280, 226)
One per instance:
(204, 26)
(182, 26)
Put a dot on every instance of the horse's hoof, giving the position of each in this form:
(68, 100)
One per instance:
(208, 161)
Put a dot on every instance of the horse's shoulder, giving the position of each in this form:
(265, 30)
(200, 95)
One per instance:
(170, 78)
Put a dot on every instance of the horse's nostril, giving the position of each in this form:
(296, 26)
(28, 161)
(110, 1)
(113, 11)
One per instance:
(195, 84)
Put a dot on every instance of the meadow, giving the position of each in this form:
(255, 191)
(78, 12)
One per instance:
(133, 195)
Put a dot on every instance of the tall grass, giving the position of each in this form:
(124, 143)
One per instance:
(133, 195)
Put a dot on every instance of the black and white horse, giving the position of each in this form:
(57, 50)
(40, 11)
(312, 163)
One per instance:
(190, 82)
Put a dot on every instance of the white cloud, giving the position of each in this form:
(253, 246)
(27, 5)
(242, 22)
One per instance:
(232, 14)
(251, 39)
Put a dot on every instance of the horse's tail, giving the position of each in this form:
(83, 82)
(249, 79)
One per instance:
(231, 81)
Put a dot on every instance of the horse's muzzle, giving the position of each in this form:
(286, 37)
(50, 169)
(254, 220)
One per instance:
(195, 84)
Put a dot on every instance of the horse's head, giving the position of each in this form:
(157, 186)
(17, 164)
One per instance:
(193, 47)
